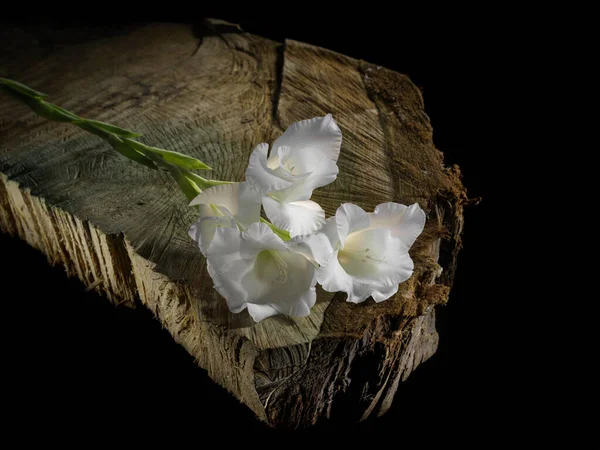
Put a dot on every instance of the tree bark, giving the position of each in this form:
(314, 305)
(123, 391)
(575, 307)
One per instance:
(215, 92)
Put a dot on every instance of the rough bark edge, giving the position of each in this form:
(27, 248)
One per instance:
(348, 379)
(353, 377)
(376, 362)
(109, 265)
(383, 88)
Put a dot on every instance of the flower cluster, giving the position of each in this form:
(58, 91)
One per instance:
(272, 268)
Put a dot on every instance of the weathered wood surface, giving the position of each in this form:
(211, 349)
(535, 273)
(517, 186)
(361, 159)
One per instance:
(215, 92)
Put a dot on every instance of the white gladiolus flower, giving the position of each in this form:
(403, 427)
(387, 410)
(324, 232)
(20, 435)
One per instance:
(252, 267)
(367, 253)
(301, 160)
(233, 205)
(257, 270)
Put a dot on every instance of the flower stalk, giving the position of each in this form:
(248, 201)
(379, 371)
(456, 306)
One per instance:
(179, 166)
(273, 268)
(121, 139)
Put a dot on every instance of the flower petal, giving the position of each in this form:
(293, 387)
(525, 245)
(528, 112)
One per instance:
(229, 285)
(304, 184)
(332, 276)
(376, 257)
(249, 205)
(291, 290)
(326, 172)
(204, 229)
(285, 281)
(224, 194)
(299, 191)
(304, 298)
(350, 218)
(359, 292)
(227, 269)
(264, 178)
(259, 237)
(316, 247)
(224, 248)
(256, 267)
(261, 312)
(310, 140)
(381, 294)
(238, 200)
(301, 217)
(274, 159)
(330, 230)
(405, 222)
(371, 257)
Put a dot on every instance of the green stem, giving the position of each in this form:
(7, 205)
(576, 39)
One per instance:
(178, 164)
(202, 182)
(119, 138)
(283, 234)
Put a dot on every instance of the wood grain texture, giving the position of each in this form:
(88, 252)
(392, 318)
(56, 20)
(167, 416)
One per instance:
(215, 92)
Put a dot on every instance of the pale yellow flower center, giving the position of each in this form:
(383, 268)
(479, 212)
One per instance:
(357, 259)
(271, 267)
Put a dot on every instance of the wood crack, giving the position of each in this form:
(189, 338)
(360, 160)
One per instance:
(362, 70)
(279, 67)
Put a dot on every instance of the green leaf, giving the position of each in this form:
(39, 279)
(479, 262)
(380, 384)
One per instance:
(50, 111)
(43, 108)
(91, 128)
(283, 234)
(189, 188)
(179, 159)
(129, 152)
(203, 182)
(63, 111)
(111, 128)
(21, 88)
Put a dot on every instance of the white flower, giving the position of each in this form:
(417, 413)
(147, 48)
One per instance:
(257, 270)
(301, 160)
(367, 254)
(233, 205)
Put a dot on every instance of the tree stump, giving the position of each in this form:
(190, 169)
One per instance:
(215, 92)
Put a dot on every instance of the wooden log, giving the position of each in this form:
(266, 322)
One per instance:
(215, 92)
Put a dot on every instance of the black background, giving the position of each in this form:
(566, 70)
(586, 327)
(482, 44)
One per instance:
(73, 361)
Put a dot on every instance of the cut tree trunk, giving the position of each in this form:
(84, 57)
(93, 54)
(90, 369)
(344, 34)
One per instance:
(215, 92)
